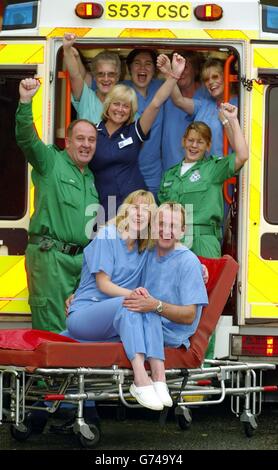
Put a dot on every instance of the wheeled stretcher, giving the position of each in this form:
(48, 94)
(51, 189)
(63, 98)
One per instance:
(75, 372)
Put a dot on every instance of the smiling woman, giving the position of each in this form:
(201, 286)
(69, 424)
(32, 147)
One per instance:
(116, 161)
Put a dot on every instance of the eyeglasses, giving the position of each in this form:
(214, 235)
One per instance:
(106, 74)
(119, 104)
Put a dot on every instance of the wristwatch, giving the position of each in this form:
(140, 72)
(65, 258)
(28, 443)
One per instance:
(159, 307)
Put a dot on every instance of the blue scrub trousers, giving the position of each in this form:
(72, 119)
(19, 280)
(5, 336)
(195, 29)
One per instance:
(140, 333)
(108, 320)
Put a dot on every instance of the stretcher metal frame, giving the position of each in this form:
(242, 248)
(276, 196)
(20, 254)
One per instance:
(76, 372)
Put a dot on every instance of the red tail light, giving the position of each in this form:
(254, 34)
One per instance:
(89, 10)
(254, 345)
(208, 12)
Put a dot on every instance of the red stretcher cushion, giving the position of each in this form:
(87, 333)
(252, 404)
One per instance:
(50, 353)
(28, 339)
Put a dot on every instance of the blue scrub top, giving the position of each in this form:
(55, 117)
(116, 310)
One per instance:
(150, 162)
(108, 252)
(115, 163)
(176, 279)
(207, 111)
(88, 106)
(175, 124)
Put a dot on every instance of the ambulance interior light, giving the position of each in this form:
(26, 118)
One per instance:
(89, 10)
(208, 12)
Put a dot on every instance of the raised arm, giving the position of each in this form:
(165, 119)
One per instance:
(186, 104)
(28, 87)
(36, 152)
(228, 116)
(87, 76)
(150, 113)
(72, 65)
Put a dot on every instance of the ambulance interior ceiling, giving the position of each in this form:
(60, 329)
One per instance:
(89, 51)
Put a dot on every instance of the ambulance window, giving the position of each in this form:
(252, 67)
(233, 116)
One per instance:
(13, 175)
(20, 15)
(271, 157)
(270, 18)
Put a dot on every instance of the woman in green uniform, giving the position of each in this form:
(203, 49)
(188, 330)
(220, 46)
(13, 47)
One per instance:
(197, 181)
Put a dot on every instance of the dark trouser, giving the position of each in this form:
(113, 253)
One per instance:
(52, 276)
(207, 246)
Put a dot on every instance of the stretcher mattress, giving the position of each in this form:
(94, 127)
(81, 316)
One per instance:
(59, 354)
(34, 348)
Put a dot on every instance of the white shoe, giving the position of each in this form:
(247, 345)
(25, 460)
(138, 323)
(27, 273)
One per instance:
(163, 393)
(146, 396)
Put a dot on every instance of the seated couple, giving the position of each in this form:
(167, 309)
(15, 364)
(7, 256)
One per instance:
(140, 247)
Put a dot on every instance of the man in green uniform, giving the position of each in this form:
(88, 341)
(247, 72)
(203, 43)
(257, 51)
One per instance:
(65, 203)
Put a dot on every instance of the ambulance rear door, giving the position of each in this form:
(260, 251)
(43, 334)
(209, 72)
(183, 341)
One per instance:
(258, 230)
(20, 57)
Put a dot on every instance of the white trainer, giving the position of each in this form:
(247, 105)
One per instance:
(163, 393)
(146, 396)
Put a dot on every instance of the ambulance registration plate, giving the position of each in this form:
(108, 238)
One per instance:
(148, 11)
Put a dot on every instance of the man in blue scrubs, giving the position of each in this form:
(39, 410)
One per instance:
(168, 312)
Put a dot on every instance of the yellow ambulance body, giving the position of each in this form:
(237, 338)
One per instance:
(31, 44)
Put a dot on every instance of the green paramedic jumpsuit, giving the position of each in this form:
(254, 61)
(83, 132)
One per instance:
(66, 202)
(200, 191)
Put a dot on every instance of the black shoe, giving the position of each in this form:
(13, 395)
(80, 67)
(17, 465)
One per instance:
(90, 417)
(38, 418)
(64, 428)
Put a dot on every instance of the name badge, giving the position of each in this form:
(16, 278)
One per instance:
(125, 142)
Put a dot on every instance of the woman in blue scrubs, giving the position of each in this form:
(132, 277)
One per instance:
(175, 119)
(112, 268)
(206, 110)
(141, 63)
(106, 69)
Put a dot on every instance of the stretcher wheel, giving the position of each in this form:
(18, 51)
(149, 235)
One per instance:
(23, 430)
(184, 420)
(90, 443)
(248, 429)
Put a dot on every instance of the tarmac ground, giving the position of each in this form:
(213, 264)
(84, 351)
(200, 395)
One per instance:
(212, 428)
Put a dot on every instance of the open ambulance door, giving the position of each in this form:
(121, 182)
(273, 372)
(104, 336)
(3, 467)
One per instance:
(259, 230)
(19, 58)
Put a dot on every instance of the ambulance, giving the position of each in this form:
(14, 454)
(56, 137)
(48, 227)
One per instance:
(245, 35)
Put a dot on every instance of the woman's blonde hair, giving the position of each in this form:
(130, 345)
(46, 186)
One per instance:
(124, 94)
(122, 216)
(218, 64)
